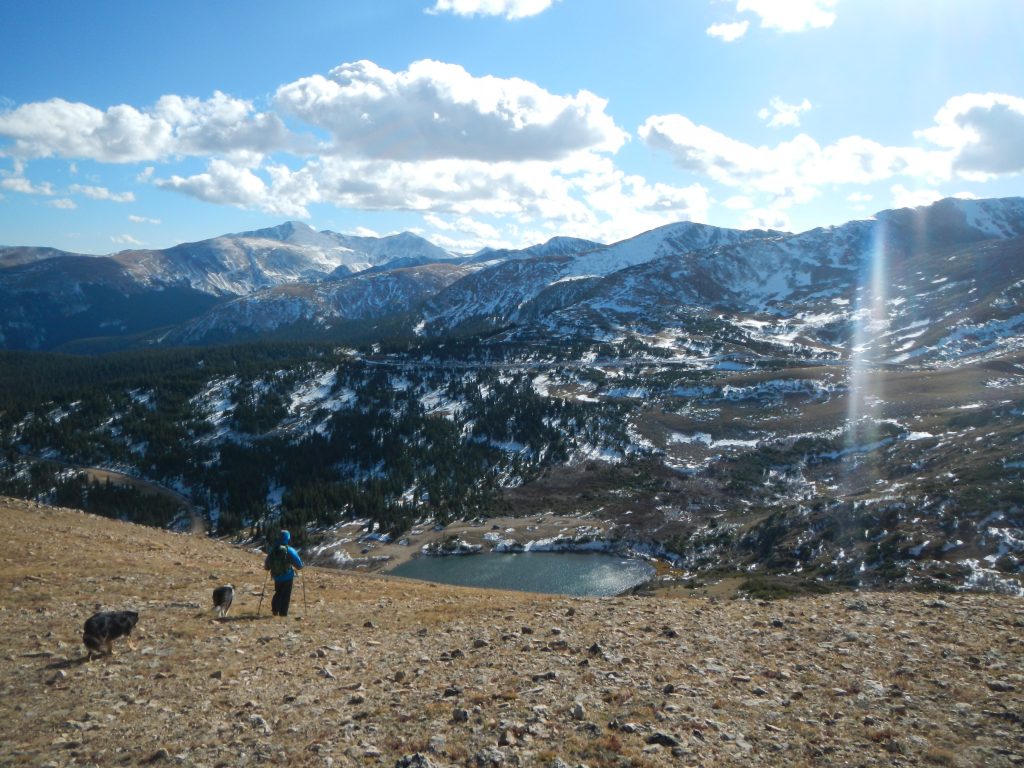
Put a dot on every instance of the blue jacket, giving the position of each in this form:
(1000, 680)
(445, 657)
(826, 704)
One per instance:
(288, 575)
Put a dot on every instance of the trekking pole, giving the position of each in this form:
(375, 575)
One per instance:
(304, 609)
(262, 593)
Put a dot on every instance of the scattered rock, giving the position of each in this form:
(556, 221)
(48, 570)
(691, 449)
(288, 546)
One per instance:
(416, 760)
(488, 757)
(1000, 686)
(662, 739)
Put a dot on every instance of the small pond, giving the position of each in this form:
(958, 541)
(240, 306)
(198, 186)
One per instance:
(552, 572)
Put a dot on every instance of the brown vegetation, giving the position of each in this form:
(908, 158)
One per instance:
(374, 668)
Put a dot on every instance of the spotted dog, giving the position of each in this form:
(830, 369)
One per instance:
(101, 629)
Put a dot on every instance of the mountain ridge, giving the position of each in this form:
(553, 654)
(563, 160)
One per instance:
(702, 264)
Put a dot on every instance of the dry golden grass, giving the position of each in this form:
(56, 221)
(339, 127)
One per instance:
(368, 671)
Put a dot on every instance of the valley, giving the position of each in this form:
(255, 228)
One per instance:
(745, 408)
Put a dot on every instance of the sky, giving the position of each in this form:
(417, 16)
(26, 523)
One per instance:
(502, 123)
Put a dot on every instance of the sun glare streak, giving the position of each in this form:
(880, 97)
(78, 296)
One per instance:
(871, 319)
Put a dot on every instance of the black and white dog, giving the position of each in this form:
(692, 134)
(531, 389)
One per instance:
(222, 597)
(101, 629)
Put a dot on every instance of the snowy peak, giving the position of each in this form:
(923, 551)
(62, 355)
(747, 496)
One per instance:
(375, 251)
(682, 237)
(956, 221)
(556, 246)
(289, 232)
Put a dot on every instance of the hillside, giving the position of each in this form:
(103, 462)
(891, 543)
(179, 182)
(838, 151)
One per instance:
(374, 669)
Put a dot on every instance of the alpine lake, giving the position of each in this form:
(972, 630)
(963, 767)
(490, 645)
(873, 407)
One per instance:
(560, 573)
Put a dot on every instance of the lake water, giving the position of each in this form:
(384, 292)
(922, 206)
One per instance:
(552, 572)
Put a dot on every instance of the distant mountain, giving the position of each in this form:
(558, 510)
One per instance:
(49, 297)
(556, 246)
(952, 278)
(502, 293)
(328, 309)
(951, 274)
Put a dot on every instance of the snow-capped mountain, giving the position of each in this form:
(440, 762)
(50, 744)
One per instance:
(49, 297)
(556, 246)
(947, 277)
(314, 309)
(237, 265)
(497, 295)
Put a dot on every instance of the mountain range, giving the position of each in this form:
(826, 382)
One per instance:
(953, 273)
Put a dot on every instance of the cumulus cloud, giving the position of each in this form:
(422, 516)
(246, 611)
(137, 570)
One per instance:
(794, 169)
(142, 219)
(984, 131)
(781, 114)
(591, 198)
(791, 15)
(435, 110)
(728, 32)
(738, 203)
(902, 197)
(124, 134)
(64, 203)
(102, 193)
(766, 218)
(510, 9)
(19, 183)
(227, 184)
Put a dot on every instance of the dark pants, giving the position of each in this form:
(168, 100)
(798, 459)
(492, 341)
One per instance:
(282, 597)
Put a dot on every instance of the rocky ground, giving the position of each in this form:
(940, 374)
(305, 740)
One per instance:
(376, 671)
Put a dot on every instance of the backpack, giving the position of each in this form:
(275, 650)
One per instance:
(279, 561)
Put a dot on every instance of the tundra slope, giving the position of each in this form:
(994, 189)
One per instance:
(379, 670)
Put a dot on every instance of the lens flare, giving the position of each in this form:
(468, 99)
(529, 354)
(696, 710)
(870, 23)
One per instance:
(870, 322)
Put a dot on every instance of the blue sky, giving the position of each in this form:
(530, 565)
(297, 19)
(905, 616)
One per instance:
(496, 122)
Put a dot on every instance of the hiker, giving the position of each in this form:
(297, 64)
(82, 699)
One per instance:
(281, 561)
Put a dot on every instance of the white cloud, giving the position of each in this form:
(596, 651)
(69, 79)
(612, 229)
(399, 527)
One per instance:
(765, 218)
(782, 114)
(19, 183)
(435, 110)
(912, 198)
(791, 15)
(102, 193)
(510, 9)
(123, 134)
(64, 203)
(227, 184)
(142, 219)
(728, 32)
(985, 131)
(590, 198)
(859, 197)
(464, 225)
(738, 203)
(796, 169)
(126, 240)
